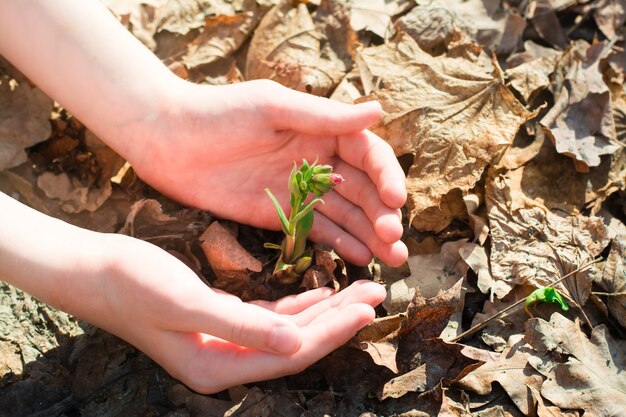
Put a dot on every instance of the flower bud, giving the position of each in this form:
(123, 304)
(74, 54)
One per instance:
(324, 182)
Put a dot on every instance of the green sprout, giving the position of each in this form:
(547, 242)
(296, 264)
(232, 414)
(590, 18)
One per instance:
(295, 258)
(547, 295)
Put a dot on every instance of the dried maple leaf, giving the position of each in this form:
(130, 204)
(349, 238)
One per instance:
(530, 244)
(586, 374)
(581, 121)
(452, 116)
(24, 118)
(310, 54)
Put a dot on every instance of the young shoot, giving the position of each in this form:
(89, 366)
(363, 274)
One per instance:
(295, 257)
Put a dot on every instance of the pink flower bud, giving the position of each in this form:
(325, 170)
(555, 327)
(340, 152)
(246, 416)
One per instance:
(336, 179)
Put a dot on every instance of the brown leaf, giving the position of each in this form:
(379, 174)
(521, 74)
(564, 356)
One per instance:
(581, 121)
(292, 48)
(586, 374)
(230, 261)
(487, 23)
(545, 409)
(609, 16)
(222, 36)
(24, 119)
(73, 195)
(433, 26)
(540, 176)
(543, 18)
(511, 370)
(432, 274)
(375, 15)
(530, 244)
(528, 72)
(613, 281)
(447, 112)
(379, 339)
(323, 272)
(496, 332)
(139, 16)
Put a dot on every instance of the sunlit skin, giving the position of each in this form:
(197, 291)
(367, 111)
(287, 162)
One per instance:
(215, 148)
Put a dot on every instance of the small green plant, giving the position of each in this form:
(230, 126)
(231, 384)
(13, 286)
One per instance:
(546, 295)
(295, 258)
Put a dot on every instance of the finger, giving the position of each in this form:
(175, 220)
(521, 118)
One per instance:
(361, 191)
(294, 304)
(347, 246)
(371, 154)
(218, 366)
(353, 220)
(305, 113)
(230, 319)
(363, 291)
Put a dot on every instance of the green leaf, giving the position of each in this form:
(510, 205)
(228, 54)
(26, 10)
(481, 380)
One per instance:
(281, 214)
(308, 208)
(548, 295)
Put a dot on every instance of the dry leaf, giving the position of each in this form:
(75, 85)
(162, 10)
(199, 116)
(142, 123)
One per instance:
(379, 340)
(230, 261)
(73, 195)
(543, 18)
(528, 72)
(477, 217)
(544, 407)
(613, 281)
(292, 48)
(447, 112)
(533, 245)
(476, 258)
(586, 374)
(511, 370)
(140, 17)
(433, 26)
(581, 121)
(24, 119)
(431, 274)
(496, 332)
(222, 36)
(487, 23)
(609, 16)
(323, 272)
(375, 15)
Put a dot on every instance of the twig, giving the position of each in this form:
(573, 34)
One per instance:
(517, 303)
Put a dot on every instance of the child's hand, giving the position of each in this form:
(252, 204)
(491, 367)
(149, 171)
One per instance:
(211, 340)
(218, 148)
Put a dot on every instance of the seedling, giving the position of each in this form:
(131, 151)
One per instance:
(547, 295)
(295, 257)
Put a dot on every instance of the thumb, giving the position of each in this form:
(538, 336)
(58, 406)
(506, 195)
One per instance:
(244, 324)
(309, 114)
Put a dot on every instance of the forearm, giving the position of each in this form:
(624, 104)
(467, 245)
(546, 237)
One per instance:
(54, 261)
(77, 52)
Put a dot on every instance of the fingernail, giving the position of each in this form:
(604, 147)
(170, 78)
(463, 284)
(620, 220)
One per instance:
(285, 339)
